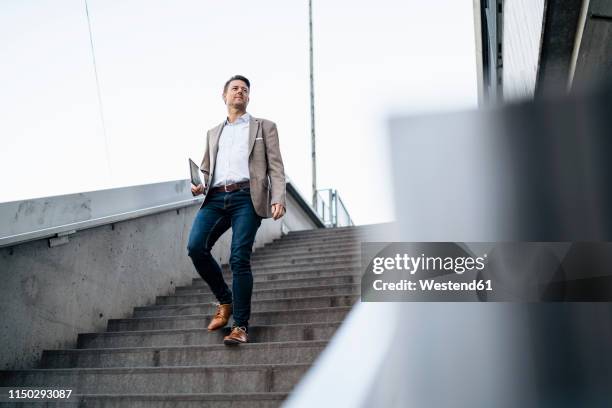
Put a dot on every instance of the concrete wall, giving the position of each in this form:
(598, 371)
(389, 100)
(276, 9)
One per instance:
(296, 219)
(49, 295)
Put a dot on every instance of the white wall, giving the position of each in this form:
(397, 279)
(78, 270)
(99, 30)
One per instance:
(522, 32)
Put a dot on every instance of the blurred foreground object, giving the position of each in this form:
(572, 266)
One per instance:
(537, 171)
(534, 171)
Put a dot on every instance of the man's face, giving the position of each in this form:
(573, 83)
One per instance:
(237, 95)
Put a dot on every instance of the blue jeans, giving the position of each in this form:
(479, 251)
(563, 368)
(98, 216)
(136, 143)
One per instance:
(220, 212)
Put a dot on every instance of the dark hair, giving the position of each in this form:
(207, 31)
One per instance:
(235, 77)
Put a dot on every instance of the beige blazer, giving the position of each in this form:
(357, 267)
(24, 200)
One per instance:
(267, 173)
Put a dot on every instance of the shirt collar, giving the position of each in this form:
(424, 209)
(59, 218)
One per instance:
(242, 119)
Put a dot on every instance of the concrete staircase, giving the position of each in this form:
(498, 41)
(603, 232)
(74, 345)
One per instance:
(163, 356)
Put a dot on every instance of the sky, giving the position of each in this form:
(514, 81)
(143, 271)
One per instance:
(161, 68)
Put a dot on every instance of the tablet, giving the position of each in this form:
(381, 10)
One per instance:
(196, 180)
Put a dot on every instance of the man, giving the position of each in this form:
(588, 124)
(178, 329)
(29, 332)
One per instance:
(244, 182)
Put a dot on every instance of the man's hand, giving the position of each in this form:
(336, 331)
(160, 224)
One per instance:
(277, 211)
(197, 190)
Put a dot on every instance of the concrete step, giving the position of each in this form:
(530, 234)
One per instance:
(257, 306)
(326, 314)
(258, 269)
(192, 400)
(282, 280)
(302, 259)
(323, 236)
(331, 253)
(202, 287)
(319, 243)
(310, 260)
(356, 228)
(365, 229)
(292, 352)
(325, 230)
(304, 251)
(310, 245)
(333, 239)
(264, 294)
(261, 269)
(314, 242)
(282, 276)
(263, 274)
(200, 336)
(323, 233)
(140, 380)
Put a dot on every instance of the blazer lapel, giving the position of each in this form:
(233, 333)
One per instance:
(214, 147)
(253, 129)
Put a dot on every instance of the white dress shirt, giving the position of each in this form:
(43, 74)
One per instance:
(232, 164)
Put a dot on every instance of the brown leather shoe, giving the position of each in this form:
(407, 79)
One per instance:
(220, 318)
(237, 336)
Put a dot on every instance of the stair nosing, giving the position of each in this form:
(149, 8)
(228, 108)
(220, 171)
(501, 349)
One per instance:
(279, 344)
(355, 264)
(264, 274)
(176, 331)
(188, 396)
(185, 287)
(339, 254)
(306, 254)
(202, 315)
(179, 305)
(154, 369)
(336, 285)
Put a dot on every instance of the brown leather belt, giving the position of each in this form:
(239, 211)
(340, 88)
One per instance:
(228, 188)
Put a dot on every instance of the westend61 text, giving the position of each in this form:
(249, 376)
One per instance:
(430, 284)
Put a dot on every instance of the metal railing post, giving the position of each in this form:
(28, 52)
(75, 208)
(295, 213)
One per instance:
(332, 210)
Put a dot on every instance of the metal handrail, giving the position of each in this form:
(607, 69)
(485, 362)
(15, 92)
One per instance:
(332, 210)
(110, 206)
(70, 228)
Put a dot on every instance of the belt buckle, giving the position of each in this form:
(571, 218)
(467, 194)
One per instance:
(225, 188)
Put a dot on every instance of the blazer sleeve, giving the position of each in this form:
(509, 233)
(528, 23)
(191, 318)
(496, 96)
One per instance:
(276, 169)
(205, 166)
